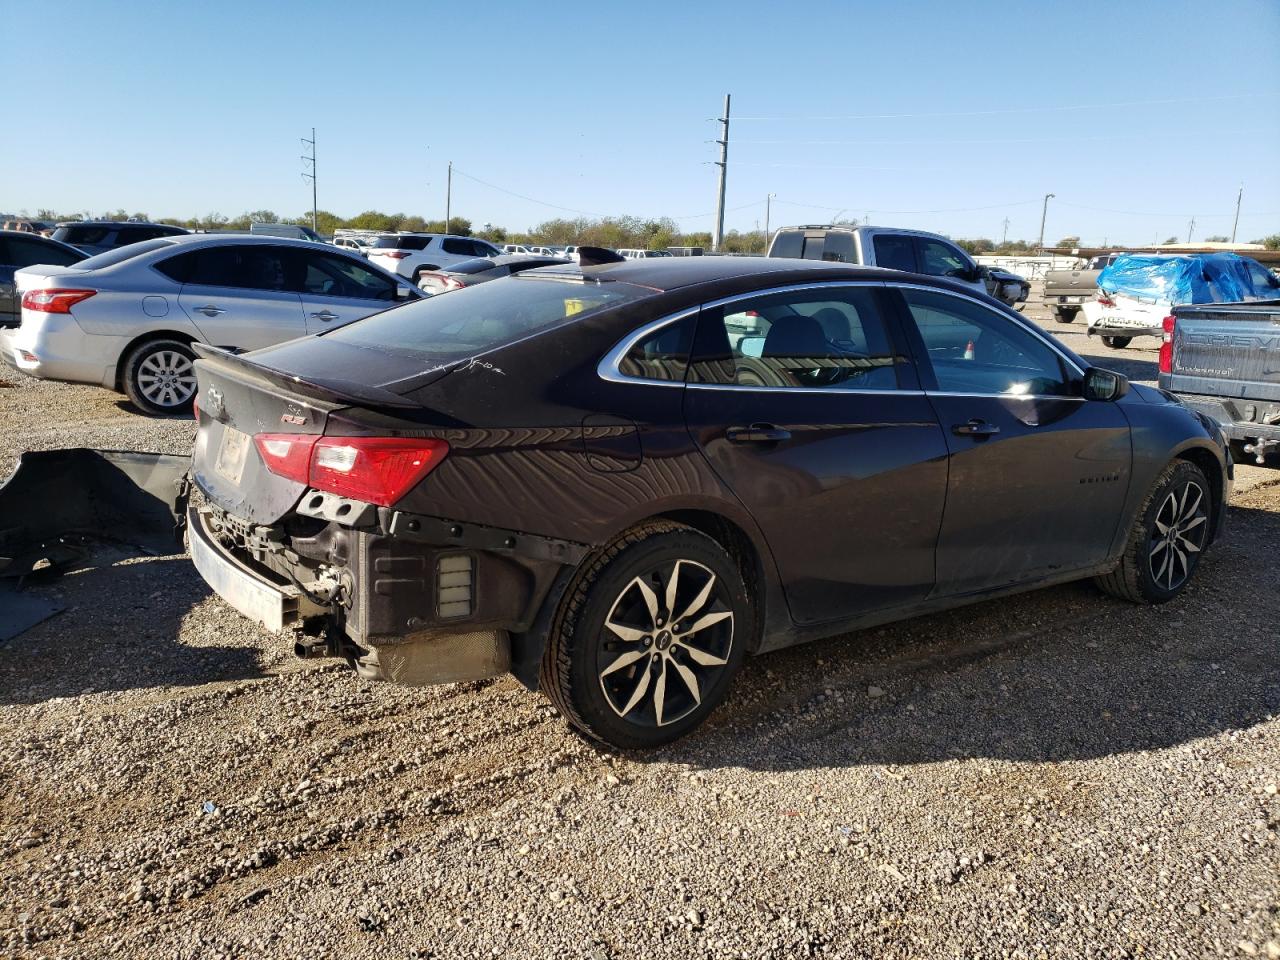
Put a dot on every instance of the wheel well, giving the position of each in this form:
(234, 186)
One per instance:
(1212, 470)
(143, 338)
(423, 268)
(739, 546)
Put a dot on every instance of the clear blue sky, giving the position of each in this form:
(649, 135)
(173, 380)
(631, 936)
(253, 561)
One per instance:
(184, 108)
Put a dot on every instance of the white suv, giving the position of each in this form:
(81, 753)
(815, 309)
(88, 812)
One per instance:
(413, 254)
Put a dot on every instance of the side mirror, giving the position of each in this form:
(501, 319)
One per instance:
(1102, 384)
(403, 292)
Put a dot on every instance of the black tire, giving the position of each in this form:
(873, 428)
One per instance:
(158, 377)
(1066, 314)
(1117, 343)
(619, 706)
(1148, 573)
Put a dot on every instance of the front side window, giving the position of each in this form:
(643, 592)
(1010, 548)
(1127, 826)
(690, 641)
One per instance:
(663, 354)
(942, 260)
(329, 276)
(833, 339)
(973, 349)
(460, 248)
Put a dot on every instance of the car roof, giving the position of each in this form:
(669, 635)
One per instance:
(671, 273)
(117, 223)
(199, 239)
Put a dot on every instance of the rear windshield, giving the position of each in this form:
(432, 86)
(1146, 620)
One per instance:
(120, 254)
(74, 235)
(402, 243)
(469, 322)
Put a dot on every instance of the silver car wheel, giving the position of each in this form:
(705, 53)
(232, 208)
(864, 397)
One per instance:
(665, 640)
(1177, 534)
(167, 378)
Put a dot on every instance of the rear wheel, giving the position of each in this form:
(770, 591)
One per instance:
(1167, 538)
(1065, 314)
(1117, 343)
(648, 637)
(159, 377)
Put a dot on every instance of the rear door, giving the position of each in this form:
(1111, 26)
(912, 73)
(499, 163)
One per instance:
(807, 407)
(1038, 475)
(239, 295)
(336, 290)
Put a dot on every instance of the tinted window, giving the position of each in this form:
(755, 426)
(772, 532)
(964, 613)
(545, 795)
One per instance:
(975, 350)
(78, 235)
(816, 338)
(484, 249)
(942, 260)
(894, 252)
(111, 257)
(402, 243)
(478, 265)
(788, 243)
(464, 248)
(21, 252)
(249, 267)
(472, 321)
(663, 355)
(329, 276)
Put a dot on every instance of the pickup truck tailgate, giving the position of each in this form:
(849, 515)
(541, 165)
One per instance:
(1226, 350)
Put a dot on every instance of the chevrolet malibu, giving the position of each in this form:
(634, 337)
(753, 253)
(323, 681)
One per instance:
(616, 480)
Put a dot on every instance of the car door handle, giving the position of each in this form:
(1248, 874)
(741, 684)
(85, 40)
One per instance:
(975, 428)
(757, 433)
(325, 315)
(209, 310)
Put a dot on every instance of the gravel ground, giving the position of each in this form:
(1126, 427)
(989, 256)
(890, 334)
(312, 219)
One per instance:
(1056, 774)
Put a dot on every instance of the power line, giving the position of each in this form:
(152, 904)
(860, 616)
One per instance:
(851, 143)
(994, 206)
(1014, 110)
(521, 196)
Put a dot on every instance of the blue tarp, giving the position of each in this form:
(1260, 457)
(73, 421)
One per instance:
(1187, 278)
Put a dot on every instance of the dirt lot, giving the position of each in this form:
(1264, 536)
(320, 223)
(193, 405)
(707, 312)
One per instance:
(1059, 774)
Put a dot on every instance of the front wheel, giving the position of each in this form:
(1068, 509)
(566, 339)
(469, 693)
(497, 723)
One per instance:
(1117, 343)
(1167, 538)
(648, 637)
(160, 377)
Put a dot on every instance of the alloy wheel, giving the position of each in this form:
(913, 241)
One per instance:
(167, 378)
(1177, 535)
(666, 640)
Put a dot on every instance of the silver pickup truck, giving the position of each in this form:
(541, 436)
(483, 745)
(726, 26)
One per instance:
(1224, 360)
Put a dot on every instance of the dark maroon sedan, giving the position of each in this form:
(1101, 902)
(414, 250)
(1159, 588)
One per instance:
(618, 480)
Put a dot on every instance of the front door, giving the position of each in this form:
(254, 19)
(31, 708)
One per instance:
(808, 409)
(1038, 475)
(337, 290)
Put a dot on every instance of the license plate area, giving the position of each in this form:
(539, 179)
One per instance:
(233, 450)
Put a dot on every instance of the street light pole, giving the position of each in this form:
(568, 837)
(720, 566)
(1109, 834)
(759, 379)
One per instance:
(723, 164)
(1043, 216)
(448, 198)
(1239, 197)
(768, 201)
(312, 176)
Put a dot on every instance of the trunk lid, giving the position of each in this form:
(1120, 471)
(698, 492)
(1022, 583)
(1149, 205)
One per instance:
(42, 276)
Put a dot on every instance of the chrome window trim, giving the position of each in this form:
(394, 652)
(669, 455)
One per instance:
(607, 368)
(1017, 321)
(834, 391)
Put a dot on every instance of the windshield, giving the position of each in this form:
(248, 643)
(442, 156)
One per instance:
(120, 254)
(478, 319)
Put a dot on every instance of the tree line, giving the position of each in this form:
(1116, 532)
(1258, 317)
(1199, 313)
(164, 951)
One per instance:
(612, 232)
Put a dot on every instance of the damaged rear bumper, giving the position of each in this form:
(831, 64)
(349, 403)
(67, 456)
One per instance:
(58, 500)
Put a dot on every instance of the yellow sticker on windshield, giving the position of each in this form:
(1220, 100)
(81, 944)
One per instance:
(573, 305)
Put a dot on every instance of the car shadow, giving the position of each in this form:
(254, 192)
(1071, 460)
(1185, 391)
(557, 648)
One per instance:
(1065, 673)
(1134, 367)
(128, 407)
(121, 629)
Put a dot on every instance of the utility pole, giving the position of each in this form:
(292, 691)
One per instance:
(1043, 216)
(311, 159)
(1004, 237)
(448, 198)
(723, 164)
(1234, 225)
(1190, 226)
(768, 201)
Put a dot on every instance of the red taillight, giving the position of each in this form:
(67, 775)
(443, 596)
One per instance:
(1166, 343)
(54, 301)
(286, 454)
(377, 470)
(453, 283)
(195, 407)
(1105, 300)
(393, 254)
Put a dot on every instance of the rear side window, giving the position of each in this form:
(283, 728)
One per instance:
(816, 339)
(401, 243)
(253, 267)
(663, 354)
(478, 319)
(21, 252)
(895, 252)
